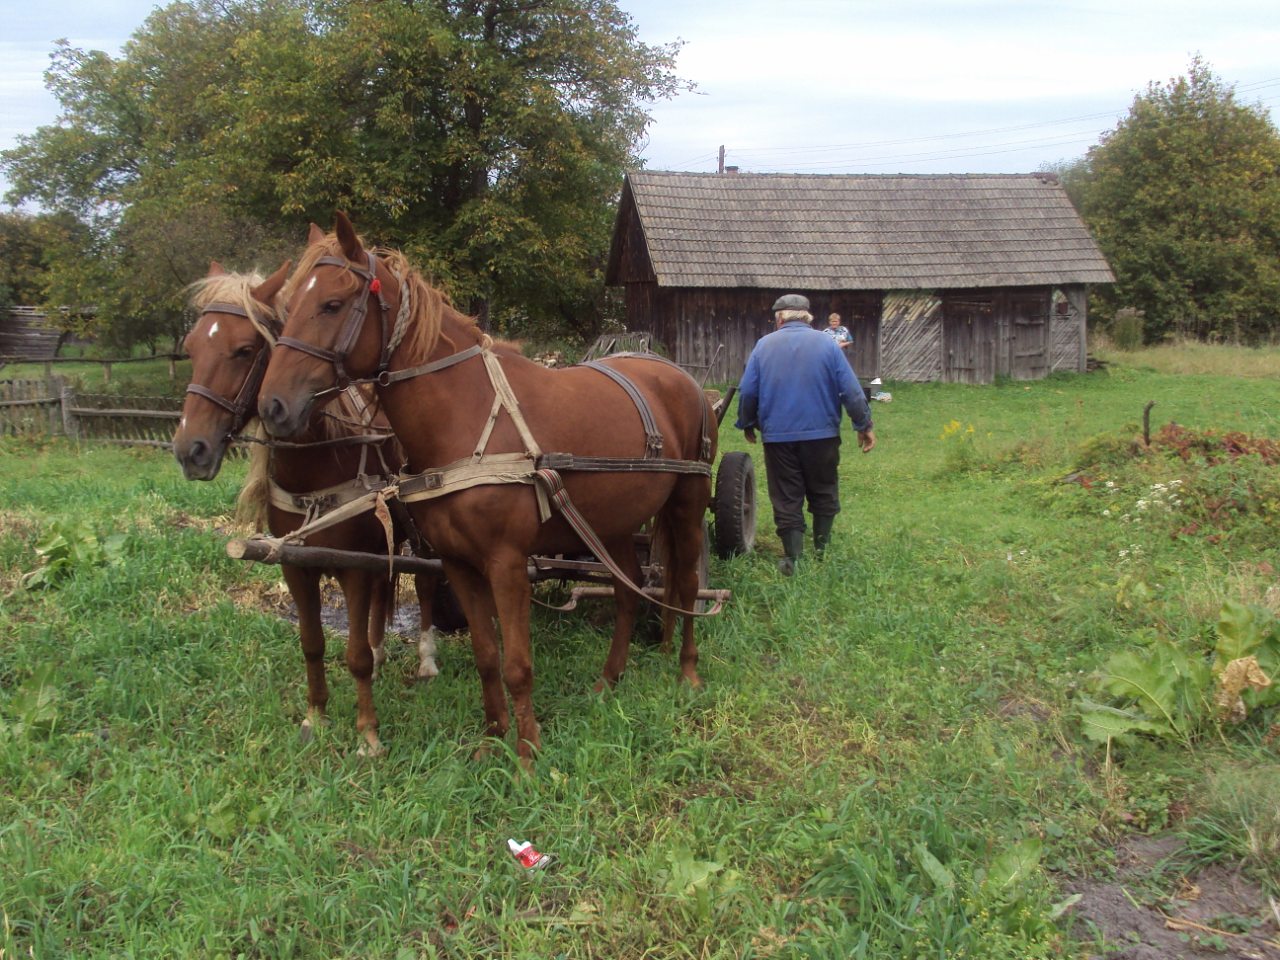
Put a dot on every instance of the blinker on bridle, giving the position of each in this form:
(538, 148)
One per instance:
(352, 325)
(246, 398)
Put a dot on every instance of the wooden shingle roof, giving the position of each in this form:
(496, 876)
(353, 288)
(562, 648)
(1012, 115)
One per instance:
(865, 232)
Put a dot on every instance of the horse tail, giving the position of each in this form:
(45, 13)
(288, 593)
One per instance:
(251, 504)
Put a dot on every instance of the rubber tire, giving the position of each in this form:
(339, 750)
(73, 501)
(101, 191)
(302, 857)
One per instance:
(734, 505)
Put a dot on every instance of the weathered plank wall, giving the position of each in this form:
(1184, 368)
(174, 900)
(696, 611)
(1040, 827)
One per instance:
(964, 336)
(712, 331)
(911, 329)
(24, 335)
(1067, 324)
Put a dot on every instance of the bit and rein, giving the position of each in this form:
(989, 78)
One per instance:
(242, 407)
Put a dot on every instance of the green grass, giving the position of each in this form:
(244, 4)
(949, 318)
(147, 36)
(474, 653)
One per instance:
(884, 761)
(145, 378)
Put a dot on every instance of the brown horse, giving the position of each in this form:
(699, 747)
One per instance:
(461, 410)
(229, 346)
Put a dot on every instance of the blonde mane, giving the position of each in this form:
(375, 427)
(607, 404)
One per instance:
(236, 288)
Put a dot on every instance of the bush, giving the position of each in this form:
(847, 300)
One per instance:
(1126, 329)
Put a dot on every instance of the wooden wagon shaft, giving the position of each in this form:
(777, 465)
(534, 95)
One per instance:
(261, 551)
(295, 555)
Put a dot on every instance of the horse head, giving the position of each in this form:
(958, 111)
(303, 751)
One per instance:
(229, 347)
(341, 303)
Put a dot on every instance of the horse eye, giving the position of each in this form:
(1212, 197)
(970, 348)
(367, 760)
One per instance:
(243, 353)
(332, 306)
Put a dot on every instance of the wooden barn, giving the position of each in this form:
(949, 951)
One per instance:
(939, 277)
(25, 335)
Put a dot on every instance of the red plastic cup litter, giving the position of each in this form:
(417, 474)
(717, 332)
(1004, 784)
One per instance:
(526, 856)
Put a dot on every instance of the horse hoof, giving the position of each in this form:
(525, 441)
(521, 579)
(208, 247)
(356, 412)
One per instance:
(307, 732)
(428, 669)
(371, 748)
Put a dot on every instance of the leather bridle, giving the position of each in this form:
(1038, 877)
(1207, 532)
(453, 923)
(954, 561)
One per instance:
(352, 324)
(246, 399)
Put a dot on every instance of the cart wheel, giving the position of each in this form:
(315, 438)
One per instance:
(446, 611)
(735, 505)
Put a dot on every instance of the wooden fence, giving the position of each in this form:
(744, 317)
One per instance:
(52, 408)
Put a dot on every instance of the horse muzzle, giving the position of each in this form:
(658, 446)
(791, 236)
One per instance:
(199, 459)
(281, 418)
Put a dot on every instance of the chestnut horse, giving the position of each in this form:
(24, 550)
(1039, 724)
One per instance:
(474, 424)
(229, 346)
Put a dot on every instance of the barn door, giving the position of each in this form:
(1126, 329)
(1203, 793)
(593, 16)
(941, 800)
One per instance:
(1028, 335)
(967, 345)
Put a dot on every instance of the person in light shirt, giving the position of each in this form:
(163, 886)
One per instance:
(840, 334)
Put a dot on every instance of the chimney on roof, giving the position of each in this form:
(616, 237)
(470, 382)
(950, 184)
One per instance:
(731, 170)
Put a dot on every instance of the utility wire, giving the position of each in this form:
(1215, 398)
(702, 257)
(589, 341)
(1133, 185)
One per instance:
(775, 156)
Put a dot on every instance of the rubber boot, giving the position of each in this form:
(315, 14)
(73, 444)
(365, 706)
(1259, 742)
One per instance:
(822, 533)
(793, 545)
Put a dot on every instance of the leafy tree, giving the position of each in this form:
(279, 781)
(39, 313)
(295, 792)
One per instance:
(21, 256)
(1184, 199)
(487, 138)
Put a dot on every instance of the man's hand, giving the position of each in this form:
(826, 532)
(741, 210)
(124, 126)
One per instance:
(750, 434)
(866, 440)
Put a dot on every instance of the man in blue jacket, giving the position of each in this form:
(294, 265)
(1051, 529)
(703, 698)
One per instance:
(795, 384)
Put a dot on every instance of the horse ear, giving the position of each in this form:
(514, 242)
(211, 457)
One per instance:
(215, 269)
(347, 238)
(266, 291)
(315, 235)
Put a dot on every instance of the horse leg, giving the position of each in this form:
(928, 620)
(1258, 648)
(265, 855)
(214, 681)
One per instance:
(357, 588)
(477, 603)
(512, 596)
(381, 606)
(626, 604)
(424, 584)
(304, 587)
(683, 520)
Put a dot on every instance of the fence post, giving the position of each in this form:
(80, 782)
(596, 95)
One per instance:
(173, 367)
(106, 371)
(68, 398)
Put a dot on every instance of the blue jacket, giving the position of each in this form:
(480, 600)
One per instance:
(794, 385)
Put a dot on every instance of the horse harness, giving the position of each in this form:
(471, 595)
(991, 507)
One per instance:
(240, 407)
(532, 466)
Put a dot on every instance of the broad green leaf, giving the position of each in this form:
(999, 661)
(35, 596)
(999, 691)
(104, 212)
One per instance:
(1239, 633)
(1163, 682)
(1062, 906)
(1101, 723)
(933, 868)
(1012, 868)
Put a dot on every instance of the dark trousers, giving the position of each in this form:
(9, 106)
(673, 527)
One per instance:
(799, 471)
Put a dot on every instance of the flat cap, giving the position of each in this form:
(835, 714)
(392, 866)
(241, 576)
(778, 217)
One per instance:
(791, 301)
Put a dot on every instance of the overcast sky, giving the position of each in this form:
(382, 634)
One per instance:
(838, 86)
